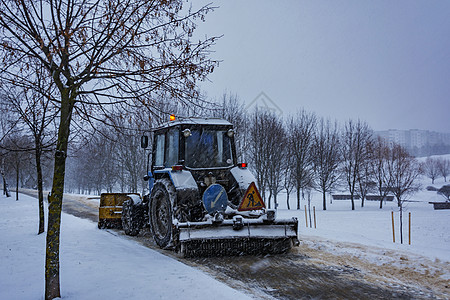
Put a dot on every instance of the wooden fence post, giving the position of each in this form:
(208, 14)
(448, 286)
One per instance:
(306, 217)
(409, 228)
(314, 209)
(393, 228)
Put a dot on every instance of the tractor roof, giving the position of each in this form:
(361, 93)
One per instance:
(195, 121)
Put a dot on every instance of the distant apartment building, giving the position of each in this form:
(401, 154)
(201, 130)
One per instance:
(418, 142)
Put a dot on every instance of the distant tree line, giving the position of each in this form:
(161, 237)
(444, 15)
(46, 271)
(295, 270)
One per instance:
(301, 152)
(305, 152)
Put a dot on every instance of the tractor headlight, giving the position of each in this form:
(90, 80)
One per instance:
(271, 215)
(230, 133)
(238, 222)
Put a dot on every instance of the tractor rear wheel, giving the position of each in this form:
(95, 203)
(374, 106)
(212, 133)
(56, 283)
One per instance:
(132, 216)
(160, 212)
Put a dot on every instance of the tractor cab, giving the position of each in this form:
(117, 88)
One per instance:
(195, 153)
(202, 202)
(194, 145)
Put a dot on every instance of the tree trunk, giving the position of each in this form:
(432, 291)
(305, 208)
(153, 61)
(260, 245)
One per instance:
(275, 201)
(17, 179)
(351, 186)
(324, 197)
(40, 188)
(287, 200)
(270, 198)
(52, 283)
(353, 201)
(5, 187)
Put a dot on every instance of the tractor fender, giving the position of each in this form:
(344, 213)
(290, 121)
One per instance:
(182, 180)
(135, 199)
(243, 177)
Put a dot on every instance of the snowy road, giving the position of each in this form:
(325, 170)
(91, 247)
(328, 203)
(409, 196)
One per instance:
(316, 269)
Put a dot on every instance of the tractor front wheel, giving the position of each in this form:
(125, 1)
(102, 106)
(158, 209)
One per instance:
(160, 212)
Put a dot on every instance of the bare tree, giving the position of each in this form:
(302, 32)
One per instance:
(109, 164)
(444, 167)
(404, 170)
(380, 168)
(275, 143)
(355, 139)
(430, 168)
(93, 163)
(300, 132)
(129, 155)
(34, 110)
(366, 177)
(267, 153)
(85, 171)
(16, 157)
(233, 110)
(258, 149)
(98, 53)
(326, 157)
(288, 180)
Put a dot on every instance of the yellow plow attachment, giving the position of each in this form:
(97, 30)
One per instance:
(110, 210)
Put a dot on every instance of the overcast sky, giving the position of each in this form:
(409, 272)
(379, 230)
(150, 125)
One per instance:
(385, 62)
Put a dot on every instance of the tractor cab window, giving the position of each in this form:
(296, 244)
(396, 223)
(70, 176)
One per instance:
(208, 149)
(172, 148)
(159, 150)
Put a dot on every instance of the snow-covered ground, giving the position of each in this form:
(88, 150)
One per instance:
(372, 226)
(94, 263)
(363, 239)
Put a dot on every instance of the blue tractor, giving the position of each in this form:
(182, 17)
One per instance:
(202, 202)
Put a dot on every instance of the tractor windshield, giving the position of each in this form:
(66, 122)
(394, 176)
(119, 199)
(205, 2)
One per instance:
(208, 149)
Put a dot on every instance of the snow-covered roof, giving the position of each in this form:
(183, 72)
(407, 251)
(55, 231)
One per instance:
(195, 121)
